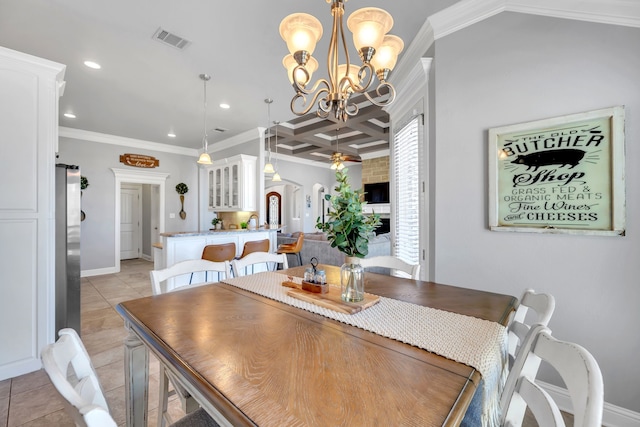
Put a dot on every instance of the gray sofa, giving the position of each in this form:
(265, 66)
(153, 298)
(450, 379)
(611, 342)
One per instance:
(317, 245)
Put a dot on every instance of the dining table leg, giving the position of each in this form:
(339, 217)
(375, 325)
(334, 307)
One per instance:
(136, 372)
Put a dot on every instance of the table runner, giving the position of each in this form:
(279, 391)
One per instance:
(478, 343)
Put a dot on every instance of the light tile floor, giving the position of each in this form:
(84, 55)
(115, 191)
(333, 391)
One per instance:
(30, 400)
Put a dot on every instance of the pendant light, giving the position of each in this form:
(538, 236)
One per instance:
(204, 158)
(276, 175)
(268, 168)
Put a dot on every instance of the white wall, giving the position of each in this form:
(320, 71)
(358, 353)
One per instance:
(98, 200)
(515, 68)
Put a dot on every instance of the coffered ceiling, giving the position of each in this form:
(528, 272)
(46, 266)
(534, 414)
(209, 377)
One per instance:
(312, 138)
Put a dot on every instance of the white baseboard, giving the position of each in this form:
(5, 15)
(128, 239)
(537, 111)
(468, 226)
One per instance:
(99, 271)
(147, 257)
(613, 416)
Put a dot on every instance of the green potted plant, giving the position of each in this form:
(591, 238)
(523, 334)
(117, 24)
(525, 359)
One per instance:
(215, 222)
(243, 225)
(349, 230)
(182, 189)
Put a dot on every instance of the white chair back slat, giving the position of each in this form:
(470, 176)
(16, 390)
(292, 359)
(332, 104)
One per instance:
(159, 277)
(533, 308)
(79, 387)
(577, 368)
(239, 266)
(394, 263)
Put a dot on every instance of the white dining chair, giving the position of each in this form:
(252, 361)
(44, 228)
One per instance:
(185, 267)
(579, 371)
(189, 405)
(532, 309)
(83, 397)
(271, 261)
(392, 262)
(69, 368)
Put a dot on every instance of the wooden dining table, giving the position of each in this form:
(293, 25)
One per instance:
(249, 360)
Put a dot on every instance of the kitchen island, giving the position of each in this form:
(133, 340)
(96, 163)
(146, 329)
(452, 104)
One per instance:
(184, 245)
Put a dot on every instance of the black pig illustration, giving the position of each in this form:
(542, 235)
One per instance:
(562, 157)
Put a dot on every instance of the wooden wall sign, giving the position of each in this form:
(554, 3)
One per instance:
(559, 175)
(139, 161)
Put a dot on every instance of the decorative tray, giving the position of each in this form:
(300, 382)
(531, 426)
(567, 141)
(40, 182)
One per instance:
(330, 299)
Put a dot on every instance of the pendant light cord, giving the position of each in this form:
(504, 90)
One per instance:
(276, 123)
(206, 143)
(269, 101)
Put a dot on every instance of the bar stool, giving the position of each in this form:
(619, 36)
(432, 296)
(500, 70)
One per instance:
(255, 246)
(218, 253)
(293, 248)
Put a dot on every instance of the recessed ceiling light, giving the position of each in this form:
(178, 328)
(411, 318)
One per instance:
(70, 115)
(171, 135)
(92, 64)
(225, 106)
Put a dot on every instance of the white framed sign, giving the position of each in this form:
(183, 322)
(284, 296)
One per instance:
(559, 175)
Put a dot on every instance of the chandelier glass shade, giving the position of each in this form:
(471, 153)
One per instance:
(204, 158)
(378, 52)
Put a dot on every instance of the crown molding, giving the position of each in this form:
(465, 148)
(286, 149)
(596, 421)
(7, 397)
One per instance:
(613, 12)
(242, 138)
(103, 138)
(411, 89)
(417, 48)
(469, 12)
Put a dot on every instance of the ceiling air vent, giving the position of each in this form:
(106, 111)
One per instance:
(172, 40)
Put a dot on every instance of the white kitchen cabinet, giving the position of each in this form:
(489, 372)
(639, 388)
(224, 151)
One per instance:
(232, 184)
(30, 89)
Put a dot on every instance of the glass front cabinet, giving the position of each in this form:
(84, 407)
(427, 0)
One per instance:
(232, 184)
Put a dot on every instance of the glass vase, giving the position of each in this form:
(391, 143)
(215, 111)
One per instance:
(352, 280)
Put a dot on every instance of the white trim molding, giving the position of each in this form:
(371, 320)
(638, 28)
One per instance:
(138, 177)
(103, 138)
(613, 416)
(468, 12)
(99, 271)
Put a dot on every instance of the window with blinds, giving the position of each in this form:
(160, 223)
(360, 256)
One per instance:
(407, 194)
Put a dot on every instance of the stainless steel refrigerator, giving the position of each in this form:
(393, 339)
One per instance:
(67, 247)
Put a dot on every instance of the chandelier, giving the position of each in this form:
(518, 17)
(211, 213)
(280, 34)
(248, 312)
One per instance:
(378, 52)
(204, 158)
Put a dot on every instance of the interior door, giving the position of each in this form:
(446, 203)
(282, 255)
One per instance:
(130, 223)
(155, 216)
(274, 208)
